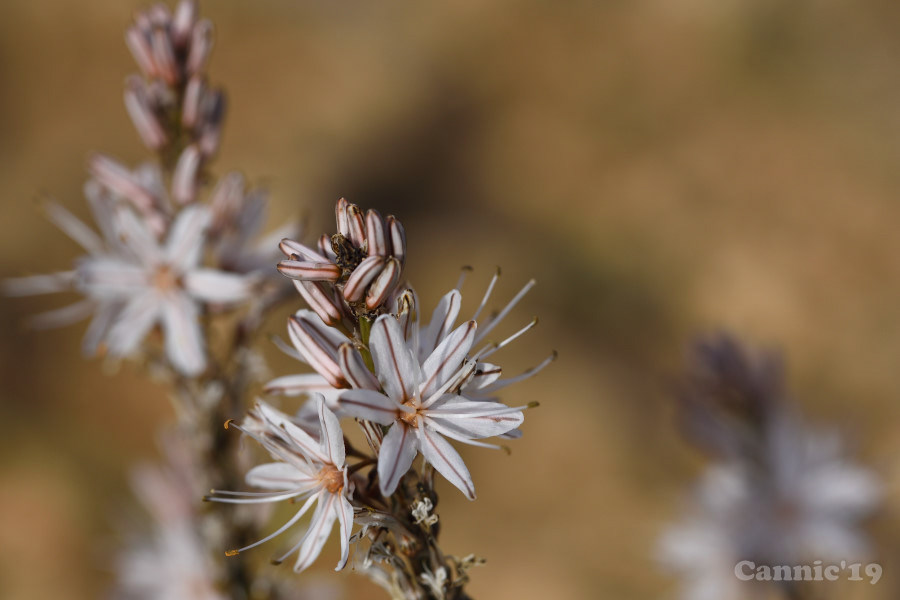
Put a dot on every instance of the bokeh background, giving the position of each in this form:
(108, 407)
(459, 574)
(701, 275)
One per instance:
(664, 168)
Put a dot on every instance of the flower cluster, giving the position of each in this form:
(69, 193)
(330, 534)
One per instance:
(780, 491)
(411, 385)
(163, 257)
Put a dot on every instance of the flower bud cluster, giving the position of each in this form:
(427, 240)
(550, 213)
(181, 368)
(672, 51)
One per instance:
(355, 272)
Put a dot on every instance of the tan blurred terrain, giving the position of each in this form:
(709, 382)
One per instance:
(663, 168)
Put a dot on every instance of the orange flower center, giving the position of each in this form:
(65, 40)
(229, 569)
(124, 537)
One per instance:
(331, 478)
(165, 279)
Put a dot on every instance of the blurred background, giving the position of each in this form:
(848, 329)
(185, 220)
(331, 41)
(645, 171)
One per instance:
(662, 168)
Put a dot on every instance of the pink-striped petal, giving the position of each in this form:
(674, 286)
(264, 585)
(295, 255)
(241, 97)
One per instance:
(398, 449)
(369, 405)
(364, 274)
(447, 360)
(446, 460)
(397, 369)
(384, 284)
(311, 271)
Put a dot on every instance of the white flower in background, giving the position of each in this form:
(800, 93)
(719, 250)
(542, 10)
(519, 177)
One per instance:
(239, 215)
(418, 405)
(306, 469)
(104, 312)
(172, 560)
(160, 283)
(804, 503)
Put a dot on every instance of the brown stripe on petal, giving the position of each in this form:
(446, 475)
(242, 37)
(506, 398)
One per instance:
(375, 234)
(362, 276)
(310, 271)
(384, 284)
(357, 224)
(398, 238)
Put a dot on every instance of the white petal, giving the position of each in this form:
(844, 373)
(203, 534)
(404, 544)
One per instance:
(369, 405)
(133, 323)
(447, 359)
(186, 237)
(39, 284)
(137, 236)
(398, 449)
(75, 228)
(473, 425)
(362, 276)
(319, 529)
(441, 323)
(184, 339)
(282, 425)
(63, 316)
(105, 314)
(332, 434)
(291, 248)
(345, 518)
(317, 347)
(108, 277)
(396, 367)
(212, 285)
(446, 460)
(280, 476)
(295, 385)
(354, 368)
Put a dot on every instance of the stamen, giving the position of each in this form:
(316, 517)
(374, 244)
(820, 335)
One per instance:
(494, 347)
(493, 322)
(487, 294)
(464, 272)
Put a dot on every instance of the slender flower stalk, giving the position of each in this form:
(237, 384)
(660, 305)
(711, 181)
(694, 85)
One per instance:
(180, 255)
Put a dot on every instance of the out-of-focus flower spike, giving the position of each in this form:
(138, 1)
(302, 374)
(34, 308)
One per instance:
(354, 368)
(213, 114)
(362, 276)
(342, 217)
(160, 15)
(117, 178)
(493, 322)
(357, 224)
(142, 114)
(138, 43)
(311, 271)
(193, 96)
(384, 284)
(226, 201)
(164, 55)
(320, 301)
(398, 238)
(201, 46)
(186, 175)
(183, 22)
(375, 234)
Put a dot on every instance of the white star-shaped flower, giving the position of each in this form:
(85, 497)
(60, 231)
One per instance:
(306, 469)
(160, 283)
(421, 406)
